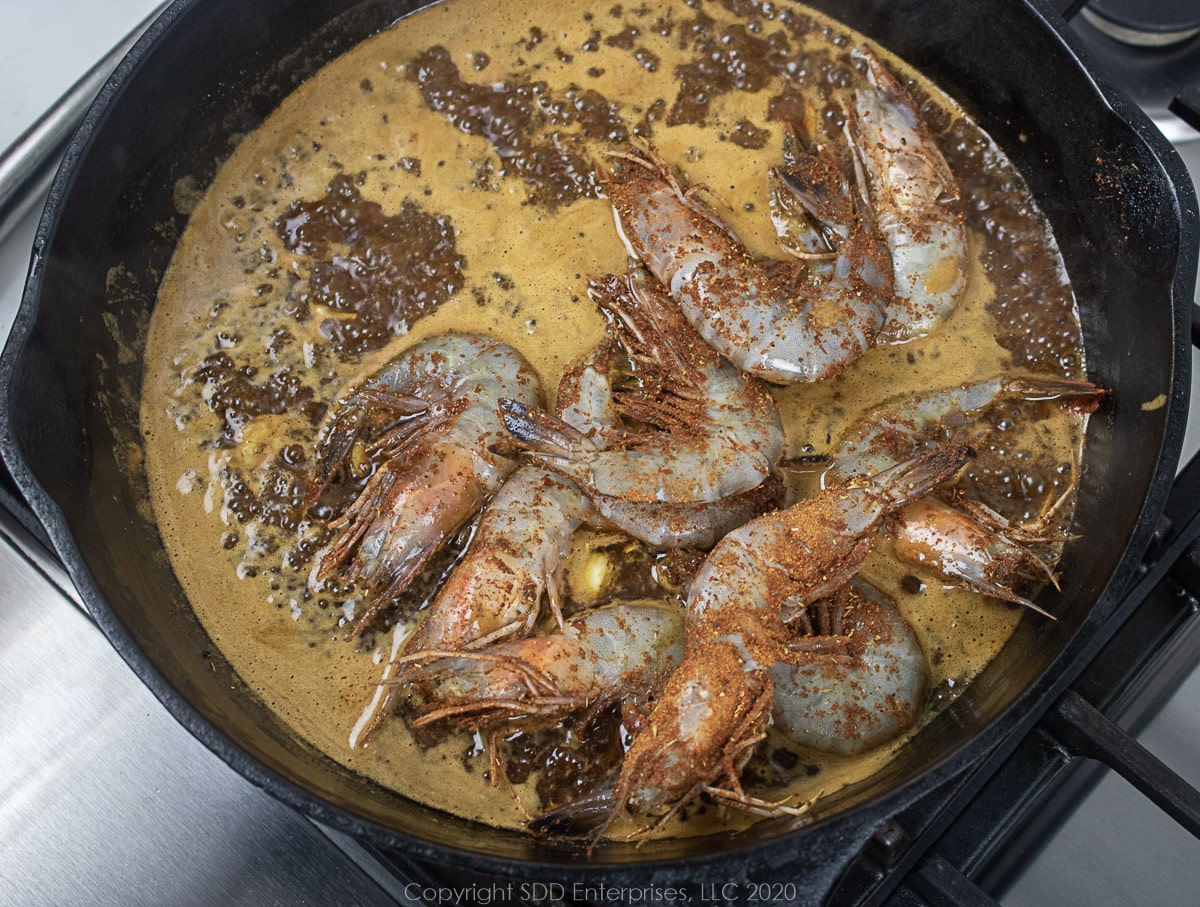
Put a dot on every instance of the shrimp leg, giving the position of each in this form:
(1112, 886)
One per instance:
(610, 653)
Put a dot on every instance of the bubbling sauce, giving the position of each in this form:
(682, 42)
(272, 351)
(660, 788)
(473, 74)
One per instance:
(442, 176)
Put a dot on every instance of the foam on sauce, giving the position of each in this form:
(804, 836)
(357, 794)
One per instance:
(440, 176)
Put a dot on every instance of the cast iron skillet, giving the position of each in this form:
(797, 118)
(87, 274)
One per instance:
(1120, 204)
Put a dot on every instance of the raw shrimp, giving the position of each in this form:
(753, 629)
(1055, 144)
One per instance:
(970, 543)
(913, 192)
(716, 433)
(513, 561)
(620, 653)
(586, 402)
(854, 676)
(967, 542)
(515, 555)
(894, 429)
(765, 321)
(717, 705)
(855, 679)
(437, 464)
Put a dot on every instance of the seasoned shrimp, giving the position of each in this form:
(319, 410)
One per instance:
(619, 653)
(717, 433)
(513, 562)
(496, 591)
(515, 557)
(854, 676)
(767, 324)
(516, 553)
(894, 429)
(968, 542)
(586, 402)
(437, 466)
(913, 191)
(855, 679)
(717, 705)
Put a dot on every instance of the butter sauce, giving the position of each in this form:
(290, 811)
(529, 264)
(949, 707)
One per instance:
(441, 176)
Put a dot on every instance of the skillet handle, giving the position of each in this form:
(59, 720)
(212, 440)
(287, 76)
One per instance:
(12, 504)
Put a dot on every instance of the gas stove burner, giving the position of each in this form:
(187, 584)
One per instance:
(1150, 49)
(1145, 23)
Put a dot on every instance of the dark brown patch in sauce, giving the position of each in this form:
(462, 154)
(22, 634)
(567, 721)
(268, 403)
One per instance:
(1034, 305)
(524, 122)
(567, 766)
(395, 269)
(746, 135)
(237, 399)
(726, 60)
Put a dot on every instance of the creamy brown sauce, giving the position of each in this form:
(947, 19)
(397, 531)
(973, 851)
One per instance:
(441, 176)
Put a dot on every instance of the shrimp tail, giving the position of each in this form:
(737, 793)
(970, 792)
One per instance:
(582, 817)
(886, 83)
(913, 479)
(982, 584)
(1074, 395)
(346, 428)
(353, 422)
(819, 186)
(544, 436)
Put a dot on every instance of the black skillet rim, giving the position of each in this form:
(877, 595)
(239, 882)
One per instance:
(860, 816)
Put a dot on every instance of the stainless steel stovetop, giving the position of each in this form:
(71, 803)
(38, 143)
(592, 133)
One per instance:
(104, 799)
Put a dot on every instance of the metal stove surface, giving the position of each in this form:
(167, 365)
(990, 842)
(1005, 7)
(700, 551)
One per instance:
(105, 799)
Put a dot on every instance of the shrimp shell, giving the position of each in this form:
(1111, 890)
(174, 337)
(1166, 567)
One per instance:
(913, 191)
